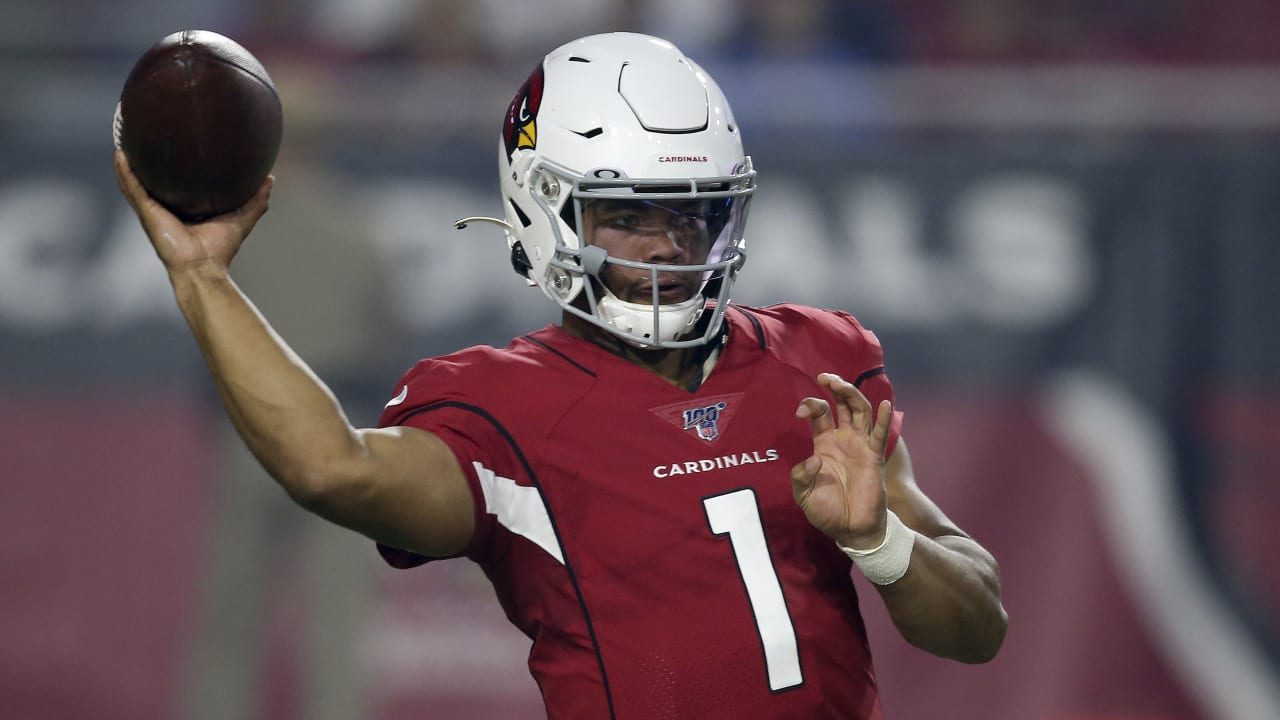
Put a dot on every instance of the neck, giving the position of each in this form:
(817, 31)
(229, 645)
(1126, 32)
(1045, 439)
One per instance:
(678, 366)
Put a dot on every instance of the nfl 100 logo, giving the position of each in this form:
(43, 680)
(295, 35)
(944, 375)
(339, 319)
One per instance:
(705, 420)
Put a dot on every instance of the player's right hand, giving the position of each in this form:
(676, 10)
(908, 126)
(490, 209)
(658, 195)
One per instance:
(184, 246)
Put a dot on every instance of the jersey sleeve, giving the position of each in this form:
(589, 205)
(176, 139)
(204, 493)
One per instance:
(834, 341)
(869, 375)
(432, 399)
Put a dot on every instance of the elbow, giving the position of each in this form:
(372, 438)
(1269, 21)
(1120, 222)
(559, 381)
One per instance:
(973, 637)
(320, 479)
(986, 641)
(319, 489)
(310, 489)
(988, 621)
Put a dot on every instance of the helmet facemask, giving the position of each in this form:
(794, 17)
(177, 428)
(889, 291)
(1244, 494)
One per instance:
(701, 222)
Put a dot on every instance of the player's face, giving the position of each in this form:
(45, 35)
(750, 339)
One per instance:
(661, 233)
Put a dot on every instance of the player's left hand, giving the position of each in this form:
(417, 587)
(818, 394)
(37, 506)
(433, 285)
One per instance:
(841, 487)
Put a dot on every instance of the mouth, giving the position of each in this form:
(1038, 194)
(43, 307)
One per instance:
(668, 292)
(637, 286)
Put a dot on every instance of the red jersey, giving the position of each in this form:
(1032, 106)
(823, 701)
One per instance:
(644, 536)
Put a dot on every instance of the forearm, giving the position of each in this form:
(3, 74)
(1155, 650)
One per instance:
(288, 418)
(948, 603)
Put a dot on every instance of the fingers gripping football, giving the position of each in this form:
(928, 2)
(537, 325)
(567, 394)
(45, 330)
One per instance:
(840, 487)
(180, 244)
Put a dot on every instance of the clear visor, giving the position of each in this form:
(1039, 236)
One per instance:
(678, 232)
(677, 225)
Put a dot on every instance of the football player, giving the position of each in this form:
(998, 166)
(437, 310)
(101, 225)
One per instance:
(668, 490)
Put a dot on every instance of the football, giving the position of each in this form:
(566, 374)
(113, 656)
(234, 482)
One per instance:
(200, 121)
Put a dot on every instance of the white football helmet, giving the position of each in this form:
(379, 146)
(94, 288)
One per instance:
(622, 117)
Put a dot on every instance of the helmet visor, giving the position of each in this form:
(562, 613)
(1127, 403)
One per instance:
(710, 211)
(684, 231)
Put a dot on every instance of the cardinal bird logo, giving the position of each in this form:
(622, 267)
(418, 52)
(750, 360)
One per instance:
(520, 129)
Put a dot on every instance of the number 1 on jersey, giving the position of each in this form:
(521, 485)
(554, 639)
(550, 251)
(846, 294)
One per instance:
(737, 514)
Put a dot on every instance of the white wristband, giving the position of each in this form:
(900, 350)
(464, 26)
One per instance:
(887, 562)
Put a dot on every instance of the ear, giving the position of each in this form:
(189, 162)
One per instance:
(520, 261)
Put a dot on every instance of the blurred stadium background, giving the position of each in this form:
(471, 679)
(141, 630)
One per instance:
(1060, 217)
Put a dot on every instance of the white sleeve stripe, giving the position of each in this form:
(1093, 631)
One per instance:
(518, 509)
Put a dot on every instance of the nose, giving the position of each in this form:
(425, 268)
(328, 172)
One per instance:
(668, 247)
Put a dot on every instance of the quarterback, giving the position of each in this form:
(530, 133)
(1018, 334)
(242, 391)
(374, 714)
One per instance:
(669, 491)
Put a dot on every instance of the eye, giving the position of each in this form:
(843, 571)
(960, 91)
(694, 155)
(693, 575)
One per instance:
(688, 222)
(623, 221)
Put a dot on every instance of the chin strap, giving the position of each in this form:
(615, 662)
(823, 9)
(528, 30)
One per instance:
(632, 318)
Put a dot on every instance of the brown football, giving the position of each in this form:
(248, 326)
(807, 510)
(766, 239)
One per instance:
(201, 123)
